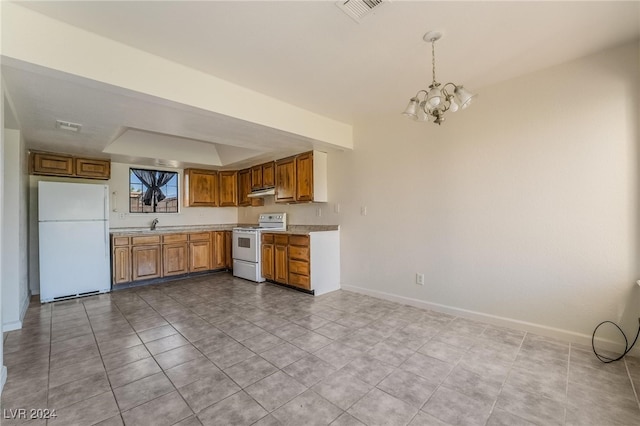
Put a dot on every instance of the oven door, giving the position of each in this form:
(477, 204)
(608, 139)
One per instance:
(246, 245)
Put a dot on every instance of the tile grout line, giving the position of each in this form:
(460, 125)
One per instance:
(633, 387)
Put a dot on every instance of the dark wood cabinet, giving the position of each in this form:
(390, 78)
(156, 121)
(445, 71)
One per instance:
(281, 259)
(219, 257)
(200, 188)
(256, 177)
(304, 177)
(269, 174)
(285, 180)
(299, 261)
(228, 188)
(267, 262)
(244, 187)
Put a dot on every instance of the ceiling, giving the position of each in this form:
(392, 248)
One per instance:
(307, 53)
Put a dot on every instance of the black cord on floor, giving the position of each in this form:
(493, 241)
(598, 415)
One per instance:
(627, 348)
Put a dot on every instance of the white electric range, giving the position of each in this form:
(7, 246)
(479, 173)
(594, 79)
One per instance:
(247, 245)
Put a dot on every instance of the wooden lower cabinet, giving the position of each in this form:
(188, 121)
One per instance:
(267, 253)
(146, 262)
(280, 264)
(139, 258)
(310, 262)
(174, 259)
(218, 252)
(199, 256)
(121, 265)
(228, 242)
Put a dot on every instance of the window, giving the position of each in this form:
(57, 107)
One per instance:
(153, 191)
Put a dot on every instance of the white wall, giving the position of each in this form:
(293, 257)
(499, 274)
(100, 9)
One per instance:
(522, 209)
(14, 239)
(3, 368)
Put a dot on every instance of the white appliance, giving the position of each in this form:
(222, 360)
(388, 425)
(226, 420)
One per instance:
(73, 223)
(246, 249)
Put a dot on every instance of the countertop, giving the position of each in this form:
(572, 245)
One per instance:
(291, 229)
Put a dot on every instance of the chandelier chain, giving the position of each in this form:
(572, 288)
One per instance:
(433, 61)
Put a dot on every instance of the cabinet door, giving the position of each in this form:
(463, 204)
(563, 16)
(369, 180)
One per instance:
(256, 177)
(200, 188)
(199, 256)
(51, 164)
(267, 261)
(174, 259)
(121, 265)
(146, 262)
(268, 175)
(228, 182)
(304, 177)
(218, 250)
(281, 264)
(285, 180)
(228, 241)
(93, 168)
(244, 187)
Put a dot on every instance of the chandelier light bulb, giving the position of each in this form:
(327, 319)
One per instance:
(453, 106)
(434, 96)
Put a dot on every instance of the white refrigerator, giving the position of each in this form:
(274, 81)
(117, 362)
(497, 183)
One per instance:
(73, 224)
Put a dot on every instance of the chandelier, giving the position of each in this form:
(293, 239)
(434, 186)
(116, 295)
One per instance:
(438, 99)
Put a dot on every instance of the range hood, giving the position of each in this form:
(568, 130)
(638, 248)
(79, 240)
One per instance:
(262, 193)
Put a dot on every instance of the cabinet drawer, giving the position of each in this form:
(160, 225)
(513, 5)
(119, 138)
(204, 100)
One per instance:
(200, 236)
(281, 239)
(174, 238)
(298, 267)
(147, 239)
(302, 281)
(267, 238)
(298, 252)
(299, 240)
(120, 241)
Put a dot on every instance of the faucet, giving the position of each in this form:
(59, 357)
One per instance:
(154, 223)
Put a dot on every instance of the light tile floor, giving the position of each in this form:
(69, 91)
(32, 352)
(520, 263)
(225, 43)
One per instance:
(215, 350)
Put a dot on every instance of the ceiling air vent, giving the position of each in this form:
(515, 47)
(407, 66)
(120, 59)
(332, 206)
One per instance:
(358, 9)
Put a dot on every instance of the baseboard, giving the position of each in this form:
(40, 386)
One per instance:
(3, 378)
(17, 325)
(542, 330)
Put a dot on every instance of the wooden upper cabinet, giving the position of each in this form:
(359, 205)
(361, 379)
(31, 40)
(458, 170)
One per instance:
(256, 177)
(244, 187)
(286, 180)
(51, 164)
(304, 177)
(269, 175)
(93, 168)
(228, 183)
(200, 188)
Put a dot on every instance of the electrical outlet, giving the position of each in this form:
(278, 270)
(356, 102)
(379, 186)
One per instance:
(319, 211)
(420, 279)
(120, 215)
(336, 208)
(363, 210)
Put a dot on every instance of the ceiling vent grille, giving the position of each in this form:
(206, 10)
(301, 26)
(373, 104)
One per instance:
(359, 9)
